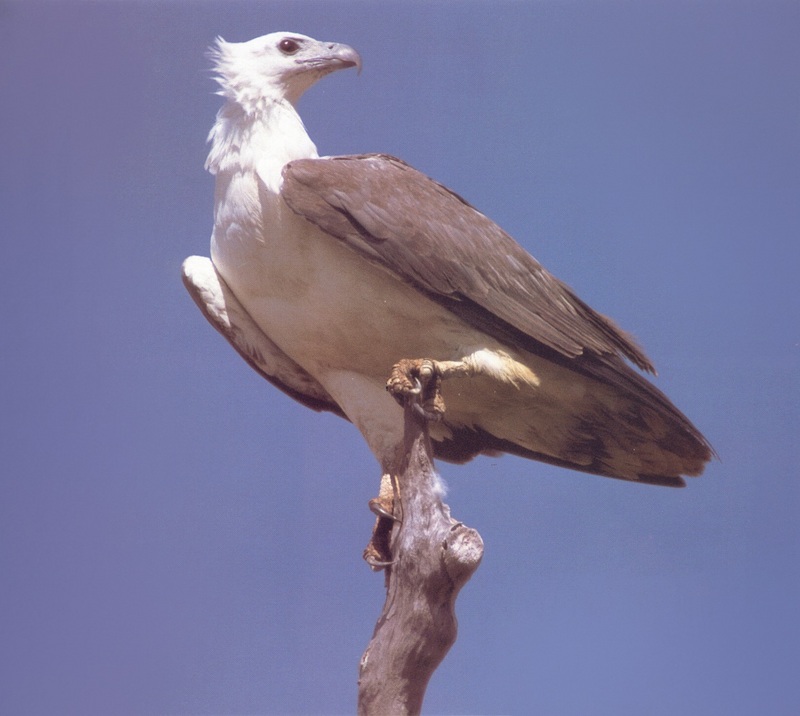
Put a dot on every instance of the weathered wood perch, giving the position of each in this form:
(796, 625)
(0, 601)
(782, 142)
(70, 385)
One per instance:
(432, 557)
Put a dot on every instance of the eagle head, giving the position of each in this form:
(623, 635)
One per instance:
(274, 67)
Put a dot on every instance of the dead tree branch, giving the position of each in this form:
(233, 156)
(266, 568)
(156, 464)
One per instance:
(432, 557)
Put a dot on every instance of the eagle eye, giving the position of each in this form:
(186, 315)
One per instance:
(288, 46)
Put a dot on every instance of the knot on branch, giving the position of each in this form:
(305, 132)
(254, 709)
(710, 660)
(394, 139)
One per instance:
(462, 551)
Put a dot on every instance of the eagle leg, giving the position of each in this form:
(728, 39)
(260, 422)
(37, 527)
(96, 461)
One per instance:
(378, 554)
(383, 504)
(418, 381)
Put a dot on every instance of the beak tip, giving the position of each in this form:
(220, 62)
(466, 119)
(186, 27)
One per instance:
(348, 56)
(355, 58)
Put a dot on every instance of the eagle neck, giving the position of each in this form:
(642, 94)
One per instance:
(261, 141)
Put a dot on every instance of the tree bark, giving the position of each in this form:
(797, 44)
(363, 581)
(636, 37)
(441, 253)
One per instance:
(432, 557)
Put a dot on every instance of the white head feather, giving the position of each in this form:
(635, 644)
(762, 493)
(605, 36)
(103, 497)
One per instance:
(281, 65)
(262, 80)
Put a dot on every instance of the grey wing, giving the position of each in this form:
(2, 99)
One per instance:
(223, 311)
(433, 239)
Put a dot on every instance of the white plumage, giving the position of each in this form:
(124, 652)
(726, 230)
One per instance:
(327, 272)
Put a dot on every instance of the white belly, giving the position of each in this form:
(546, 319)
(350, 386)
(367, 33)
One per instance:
(330, 309)
(347, 321)
(344, 320)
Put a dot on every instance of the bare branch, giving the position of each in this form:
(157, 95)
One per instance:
(432, 557)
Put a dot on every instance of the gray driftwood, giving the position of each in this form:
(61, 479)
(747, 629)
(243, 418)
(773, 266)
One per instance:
(432, 557)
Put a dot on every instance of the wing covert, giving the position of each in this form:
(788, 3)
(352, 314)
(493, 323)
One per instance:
(433, 239)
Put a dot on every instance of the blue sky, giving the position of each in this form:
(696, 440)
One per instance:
(176, 536)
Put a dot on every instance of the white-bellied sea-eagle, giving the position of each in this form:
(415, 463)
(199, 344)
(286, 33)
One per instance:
(331, 274)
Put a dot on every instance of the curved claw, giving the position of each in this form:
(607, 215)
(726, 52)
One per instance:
(378, 508)
(378, 565)
(416, 383)
(417, 389)
(429, 415)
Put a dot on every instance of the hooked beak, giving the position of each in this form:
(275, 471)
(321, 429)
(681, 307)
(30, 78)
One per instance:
(333, 56)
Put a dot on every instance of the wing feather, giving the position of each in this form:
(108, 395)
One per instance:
(224, 312)
(433, 239)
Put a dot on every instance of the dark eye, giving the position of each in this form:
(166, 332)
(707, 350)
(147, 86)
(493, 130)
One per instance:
(288, 47)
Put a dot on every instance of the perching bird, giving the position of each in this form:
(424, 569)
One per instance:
(330, 275)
